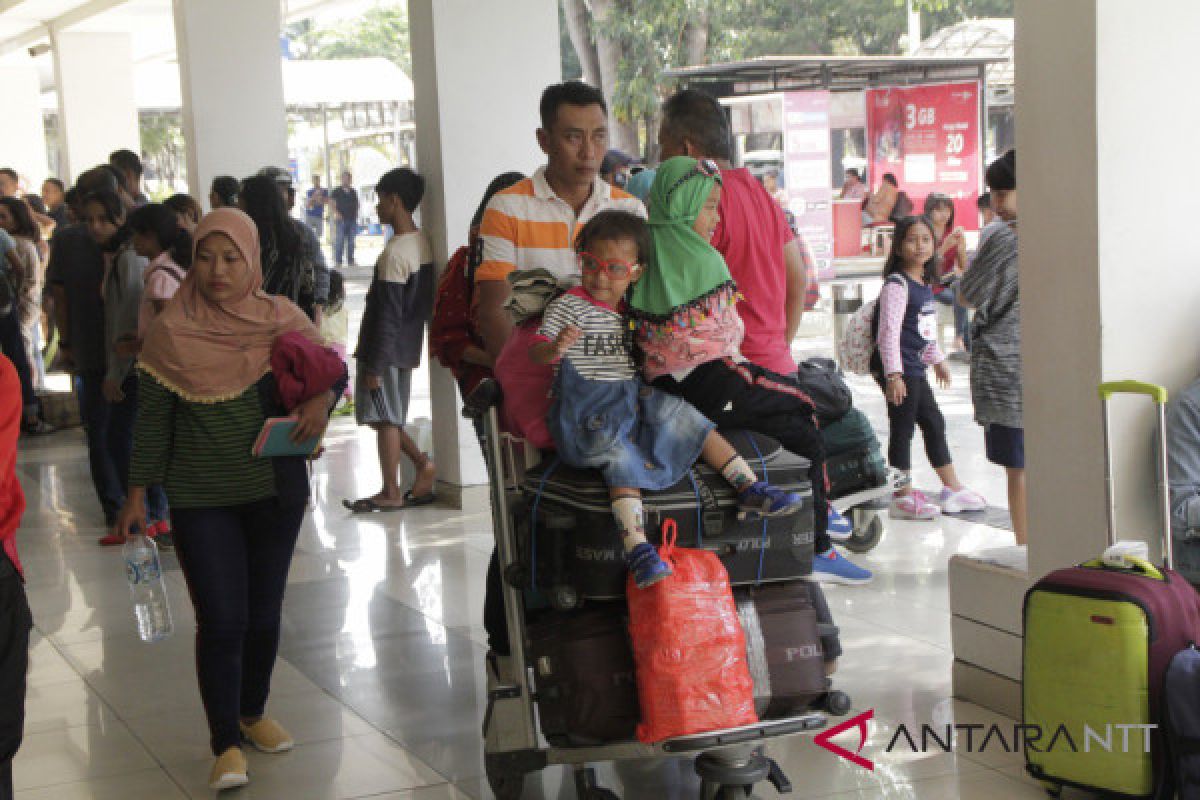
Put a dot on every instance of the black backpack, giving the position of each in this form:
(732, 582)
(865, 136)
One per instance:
(821, 380)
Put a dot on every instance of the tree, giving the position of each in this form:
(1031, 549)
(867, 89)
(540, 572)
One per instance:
(623, 46)
(382, 31)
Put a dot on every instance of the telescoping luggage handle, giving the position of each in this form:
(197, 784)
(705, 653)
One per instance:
(1158, 394)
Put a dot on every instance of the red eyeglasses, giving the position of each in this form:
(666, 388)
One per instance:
(614, 268)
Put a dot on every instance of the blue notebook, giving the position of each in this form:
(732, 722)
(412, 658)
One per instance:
(275, 439)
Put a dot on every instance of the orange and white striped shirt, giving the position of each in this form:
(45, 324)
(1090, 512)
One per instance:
(528, 226)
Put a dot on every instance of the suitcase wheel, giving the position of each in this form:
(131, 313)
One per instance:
(1052, 789)
(868, 530)
(837, 703)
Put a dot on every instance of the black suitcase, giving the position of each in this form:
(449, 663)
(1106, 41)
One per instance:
(784, 646)
(853, 458)
(569, 541)
(584, 672)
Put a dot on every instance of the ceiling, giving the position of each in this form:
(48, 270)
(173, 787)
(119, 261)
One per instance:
(26, 23)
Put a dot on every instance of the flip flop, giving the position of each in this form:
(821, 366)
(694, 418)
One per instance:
(423, 500)
(365, 505)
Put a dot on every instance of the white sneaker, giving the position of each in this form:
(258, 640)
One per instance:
(913, 505)
(964, 499)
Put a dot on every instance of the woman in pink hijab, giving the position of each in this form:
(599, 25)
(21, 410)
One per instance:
(206, 389)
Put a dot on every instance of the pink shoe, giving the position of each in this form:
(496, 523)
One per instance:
(913, 505)
(964, 499)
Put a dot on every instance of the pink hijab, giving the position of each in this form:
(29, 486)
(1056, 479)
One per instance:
(208, 352)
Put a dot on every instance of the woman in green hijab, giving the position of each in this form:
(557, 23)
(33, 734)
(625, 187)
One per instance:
(685, 307)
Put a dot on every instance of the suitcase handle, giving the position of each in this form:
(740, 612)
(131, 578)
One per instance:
(1158, 395)
(1139, 565)
(1155, 392)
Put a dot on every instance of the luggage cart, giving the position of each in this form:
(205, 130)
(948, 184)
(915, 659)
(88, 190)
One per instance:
(728, 762)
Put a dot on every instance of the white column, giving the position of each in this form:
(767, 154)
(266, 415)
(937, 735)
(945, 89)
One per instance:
(1108, 291)
(479, 70)
(23, 134)
(231, 82)
(97, 112)
(1108, 262)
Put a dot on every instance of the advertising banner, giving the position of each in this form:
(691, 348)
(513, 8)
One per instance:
(806, 176)
(928, 137)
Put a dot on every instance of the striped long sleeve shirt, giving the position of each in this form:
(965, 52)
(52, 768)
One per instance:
(990, 285)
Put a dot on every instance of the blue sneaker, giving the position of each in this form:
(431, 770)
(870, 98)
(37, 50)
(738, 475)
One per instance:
(840, 527)
(766, 500)
(647, 568)
(832, 567)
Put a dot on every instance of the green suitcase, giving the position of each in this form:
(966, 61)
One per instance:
(1097, 642)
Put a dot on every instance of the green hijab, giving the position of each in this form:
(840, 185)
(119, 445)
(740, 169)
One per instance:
(683, 269)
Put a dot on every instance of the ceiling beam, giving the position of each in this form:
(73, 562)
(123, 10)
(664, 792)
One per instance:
(62, 22)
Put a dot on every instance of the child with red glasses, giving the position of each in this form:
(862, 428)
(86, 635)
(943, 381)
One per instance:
(605, 417)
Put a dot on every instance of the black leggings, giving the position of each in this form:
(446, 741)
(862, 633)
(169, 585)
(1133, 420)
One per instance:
(919, 410)
(236, 560)
(750, 397)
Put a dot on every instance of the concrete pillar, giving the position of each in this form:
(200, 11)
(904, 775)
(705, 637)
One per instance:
(1108, 291)
(231, 82)
(23, 134)
(478, 72)
(97, 112)
(1108, 276)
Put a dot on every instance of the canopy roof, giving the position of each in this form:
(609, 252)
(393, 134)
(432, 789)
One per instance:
(836, 73)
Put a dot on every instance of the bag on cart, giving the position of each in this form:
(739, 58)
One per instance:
(853, 458)
(688, 645)
(583, 668)
(824, 383)
(783, 647)
(569, 537)
(1098, 640)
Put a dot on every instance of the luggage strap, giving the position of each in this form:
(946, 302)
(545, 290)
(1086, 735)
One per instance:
(762, 552)
(537, 499)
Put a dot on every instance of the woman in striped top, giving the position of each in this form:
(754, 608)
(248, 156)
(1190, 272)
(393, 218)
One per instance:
(206, 390)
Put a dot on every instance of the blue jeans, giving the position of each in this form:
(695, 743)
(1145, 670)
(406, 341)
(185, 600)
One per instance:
(344, 232)
(316, 223)
(236, 560)
(109, 428)
(962, 322)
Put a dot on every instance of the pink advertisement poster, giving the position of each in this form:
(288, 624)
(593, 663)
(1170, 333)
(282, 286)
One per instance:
(928, 137)
(807, 170)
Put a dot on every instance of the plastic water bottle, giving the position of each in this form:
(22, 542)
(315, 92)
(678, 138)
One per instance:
(150, 606)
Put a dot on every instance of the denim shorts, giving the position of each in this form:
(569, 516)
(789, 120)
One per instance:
(1005, 446)
(637, 436)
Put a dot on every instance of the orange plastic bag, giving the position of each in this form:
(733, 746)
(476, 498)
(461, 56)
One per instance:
(689, 648)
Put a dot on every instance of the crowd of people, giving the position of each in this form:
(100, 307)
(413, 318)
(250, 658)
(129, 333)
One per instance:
(678, 298)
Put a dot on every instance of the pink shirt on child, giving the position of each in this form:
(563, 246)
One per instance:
(162, 280)
(693, 336)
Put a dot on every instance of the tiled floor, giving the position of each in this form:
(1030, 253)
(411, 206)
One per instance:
(380, 676)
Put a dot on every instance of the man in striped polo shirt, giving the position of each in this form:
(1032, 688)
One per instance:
(533, 223)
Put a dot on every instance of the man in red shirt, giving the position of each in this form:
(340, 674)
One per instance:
(765, 258)
(15, 621)
(769, 264)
